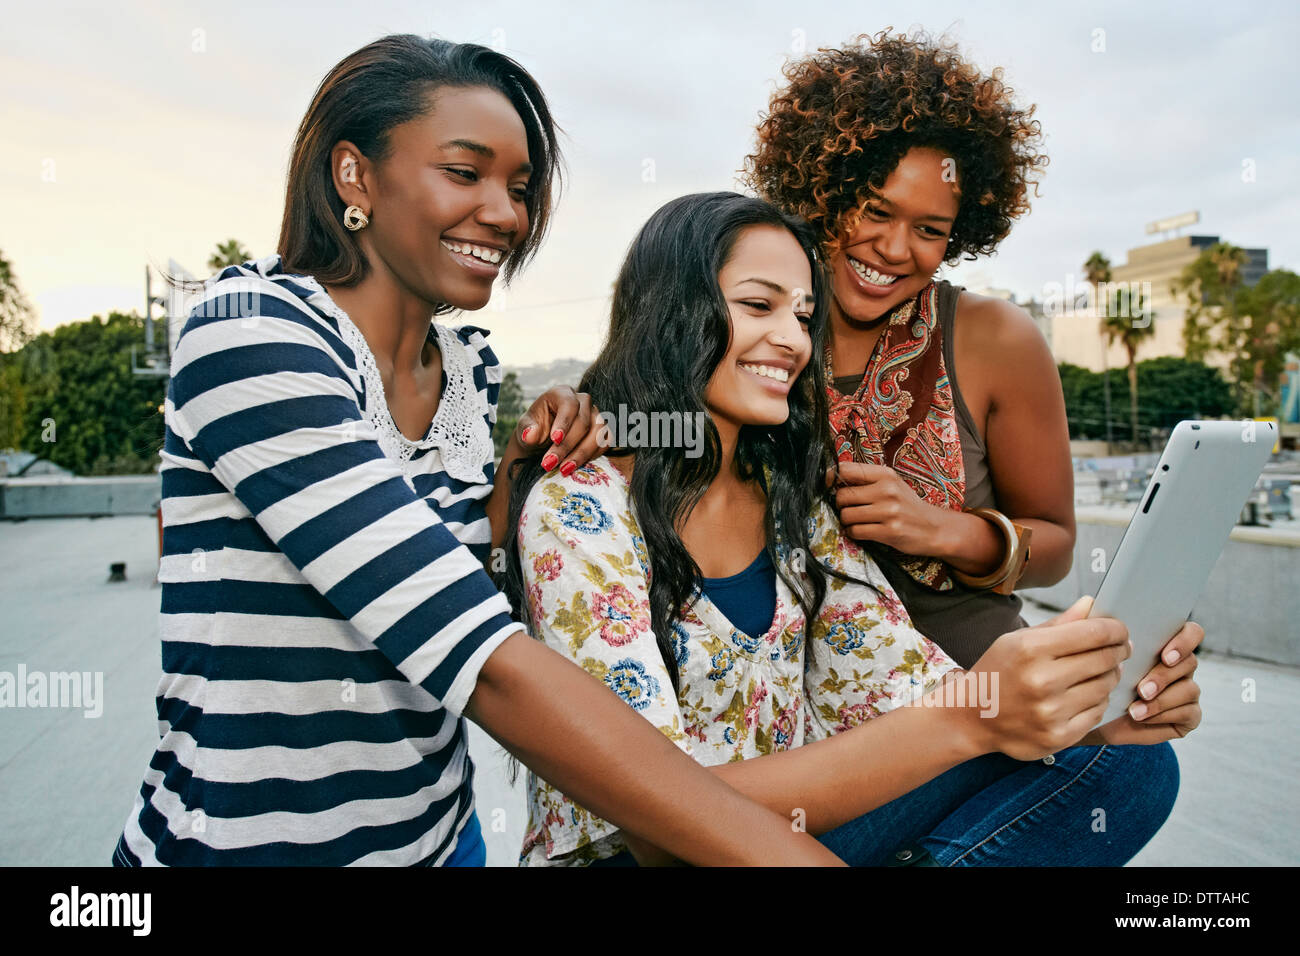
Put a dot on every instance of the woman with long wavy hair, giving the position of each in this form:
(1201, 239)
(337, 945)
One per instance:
(710, 585)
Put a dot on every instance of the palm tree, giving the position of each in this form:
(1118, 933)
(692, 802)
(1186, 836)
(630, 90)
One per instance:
(1119, 325)
(1217, 317)
(229, 253)
(1270, 329)
(1097, 270)
(1228, 260)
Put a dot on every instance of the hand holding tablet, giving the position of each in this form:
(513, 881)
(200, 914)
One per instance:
(1164, 559)
(1168, 704)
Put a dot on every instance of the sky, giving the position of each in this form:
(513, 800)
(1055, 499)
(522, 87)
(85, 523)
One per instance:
(143, 132)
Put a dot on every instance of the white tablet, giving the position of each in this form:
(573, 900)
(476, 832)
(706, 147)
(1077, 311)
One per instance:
(1182, 522)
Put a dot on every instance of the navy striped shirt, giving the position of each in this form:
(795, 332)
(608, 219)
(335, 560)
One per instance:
(325, 611)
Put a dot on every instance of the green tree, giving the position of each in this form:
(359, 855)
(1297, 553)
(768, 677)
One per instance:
(85, 410)
(13, 402)
(229, 253)
(17, 320)
(1172, 389)
(1253, 327)
(510, 408)
(1084, 402)
(1272, 308)
(1210, 285)
(1128, 322)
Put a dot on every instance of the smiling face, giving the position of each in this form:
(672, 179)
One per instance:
(901, 240)
(448, 203)
(767, 285)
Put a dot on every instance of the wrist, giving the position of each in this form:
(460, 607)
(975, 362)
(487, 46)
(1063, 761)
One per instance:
(958, 711)
(971, 544)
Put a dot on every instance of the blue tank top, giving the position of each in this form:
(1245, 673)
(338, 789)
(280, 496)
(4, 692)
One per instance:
(747, 599)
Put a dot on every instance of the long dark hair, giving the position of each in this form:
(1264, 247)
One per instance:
(382, 85)
(669, 329)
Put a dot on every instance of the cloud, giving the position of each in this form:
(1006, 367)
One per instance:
(161, 150)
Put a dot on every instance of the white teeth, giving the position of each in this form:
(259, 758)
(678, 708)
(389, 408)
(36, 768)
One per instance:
(478, 252)
(871, 275)
(767, 371)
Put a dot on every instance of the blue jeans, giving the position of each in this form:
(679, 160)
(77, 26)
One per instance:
(471, 849)
(1091, 806)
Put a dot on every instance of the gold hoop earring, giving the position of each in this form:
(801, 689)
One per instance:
(355, 219)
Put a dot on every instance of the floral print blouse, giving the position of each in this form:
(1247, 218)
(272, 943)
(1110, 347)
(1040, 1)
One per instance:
(741, 695)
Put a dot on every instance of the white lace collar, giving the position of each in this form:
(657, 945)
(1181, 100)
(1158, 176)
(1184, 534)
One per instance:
(459, 430)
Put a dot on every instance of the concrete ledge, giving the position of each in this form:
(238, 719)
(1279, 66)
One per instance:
(1284, 534)
(55, 497)
(1250, 606)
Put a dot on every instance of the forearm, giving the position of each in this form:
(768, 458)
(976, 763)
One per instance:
(498, 503)
(577, 735)
(836, 780)
(1051, 552)
(974, 546)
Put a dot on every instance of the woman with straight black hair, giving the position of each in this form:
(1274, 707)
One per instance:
(327, 624)
(710, 584)
(668, 332)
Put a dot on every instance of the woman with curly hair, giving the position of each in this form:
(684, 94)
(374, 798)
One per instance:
(904, 157)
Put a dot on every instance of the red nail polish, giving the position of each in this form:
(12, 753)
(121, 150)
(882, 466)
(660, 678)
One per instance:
(549, 461)
(528, 434)
(568, 468)
(557, 436)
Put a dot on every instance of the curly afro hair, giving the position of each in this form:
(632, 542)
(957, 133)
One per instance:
(846, 117)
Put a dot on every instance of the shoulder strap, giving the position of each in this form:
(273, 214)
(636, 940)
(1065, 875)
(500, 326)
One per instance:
(948, 295)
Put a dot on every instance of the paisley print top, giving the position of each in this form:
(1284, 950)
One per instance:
(902, 416)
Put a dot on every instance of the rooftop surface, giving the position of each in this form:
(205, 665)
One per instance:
(69, 780)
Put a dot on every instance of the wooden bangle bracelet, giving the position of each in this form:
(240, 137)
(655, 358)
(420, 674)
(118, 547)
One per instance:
(1004, 578)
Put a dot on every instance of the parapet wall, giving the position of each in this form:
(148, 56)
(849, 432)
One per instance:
(1251, 605)
(57, 497)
